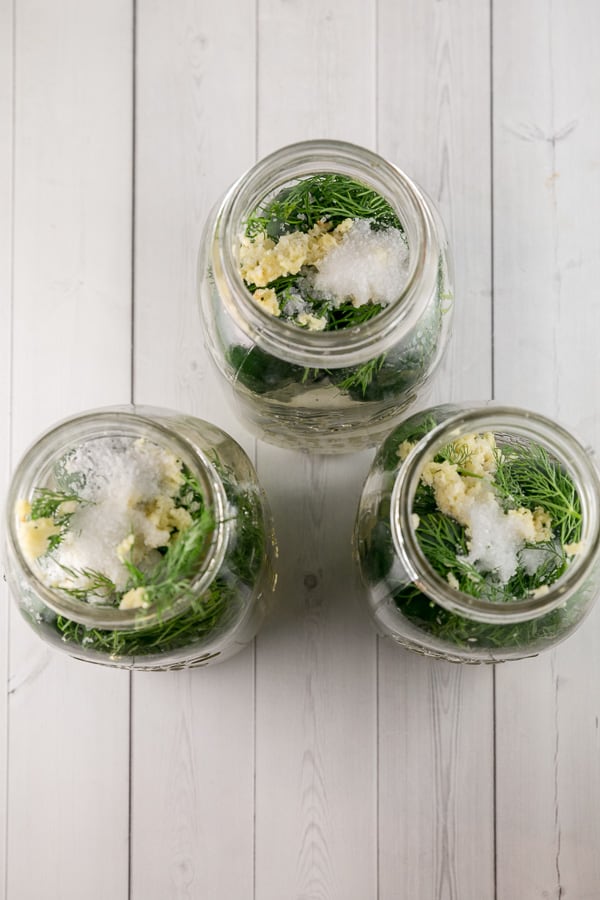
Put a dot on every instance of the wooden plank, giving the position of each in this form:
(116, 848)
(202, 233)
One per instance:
(6, 223)
(316, 72)
(193, 733)
(547, 196)
(69, 727)
(316, 777)
(193, 64)
(316, 724)
(436, 766)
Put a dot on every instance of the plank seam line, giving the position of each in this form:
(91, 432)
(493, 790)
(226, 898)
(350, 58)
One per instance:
(377, 778)
(134, 20)
(256, 76)
(492, 269)
(254, 742)
(133, 190)
(376, 71)
(11, 281)
(493, 391)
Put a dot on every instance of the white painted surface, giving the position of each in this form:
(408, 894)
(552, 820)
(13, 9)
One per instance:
(319, 763)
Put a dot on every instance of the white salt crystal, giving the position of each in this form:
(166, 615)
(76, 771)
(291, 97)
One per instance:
(365, 266)
(122, 477)
(495, 539)
(295, 306)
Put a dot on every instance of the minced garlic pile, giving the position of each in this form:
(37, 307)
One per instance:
(352, 262)
(262, 260)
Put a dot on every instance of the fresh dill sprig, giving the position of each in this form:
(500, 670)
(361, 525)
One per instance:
(190, 493)
(346, 315)
(98, 584)
(457, 455)
(248, 541)
(326, 196)
(466, 634)
(527, 476)
(173, 574)
(205, 614)
(47, 505)
(363, 375)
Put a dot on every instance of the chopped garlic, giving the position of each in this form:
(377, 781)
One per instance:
(574, 549)
(267, 300)
(455, 495)
(34, 535)
(404, 449)
(452, 580)
(125, 547)
(136, 598)
(164, 515)
(312, 323)
(480, 450)
(262, 260)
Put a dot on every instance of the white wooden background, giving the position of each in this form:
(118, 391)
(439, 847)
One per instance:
(320, 764)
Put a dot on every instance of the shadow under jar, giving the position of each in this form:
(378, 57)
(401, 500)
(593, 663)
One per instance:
(139, 538)
(325, 292)
(477, 534)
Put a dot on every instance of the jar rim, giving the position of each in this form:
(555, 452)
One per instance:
(493, 417)
(123, 421)
(329, 349)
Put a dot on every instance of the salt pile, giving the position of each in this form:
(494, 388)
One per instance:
(367, 266)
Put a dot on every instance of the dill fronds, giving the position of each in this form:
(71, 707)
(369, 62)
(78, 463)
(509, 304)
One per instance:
(363, 375)
(97, 585)
(327, 196)
(47, 505)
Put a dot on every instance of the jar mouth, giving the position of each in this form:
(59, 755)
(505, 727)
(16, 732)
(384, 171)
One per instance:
(120, 422)
(520, 425)
(343, 347)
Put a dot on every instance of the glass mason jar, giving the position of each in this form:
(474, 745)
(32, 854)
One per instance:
(330, 391)
(481, 593)
(139, 538)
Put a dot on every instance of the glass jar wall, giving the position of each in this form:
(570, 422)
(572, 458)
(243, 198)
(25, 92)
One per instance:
(477, 533)
(307, 371)
(139, 538)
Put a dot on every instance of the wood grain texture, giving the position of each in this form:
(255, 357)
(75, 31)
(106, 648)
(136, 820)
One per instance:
(316, 726)
(436, 764)
(193, 784)
(68, 723)
(434, 108)
(436, 753)
(547, 268)
(193, 733)
(195, 107)
(315, 718)
(6, 223)
(316, 72)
